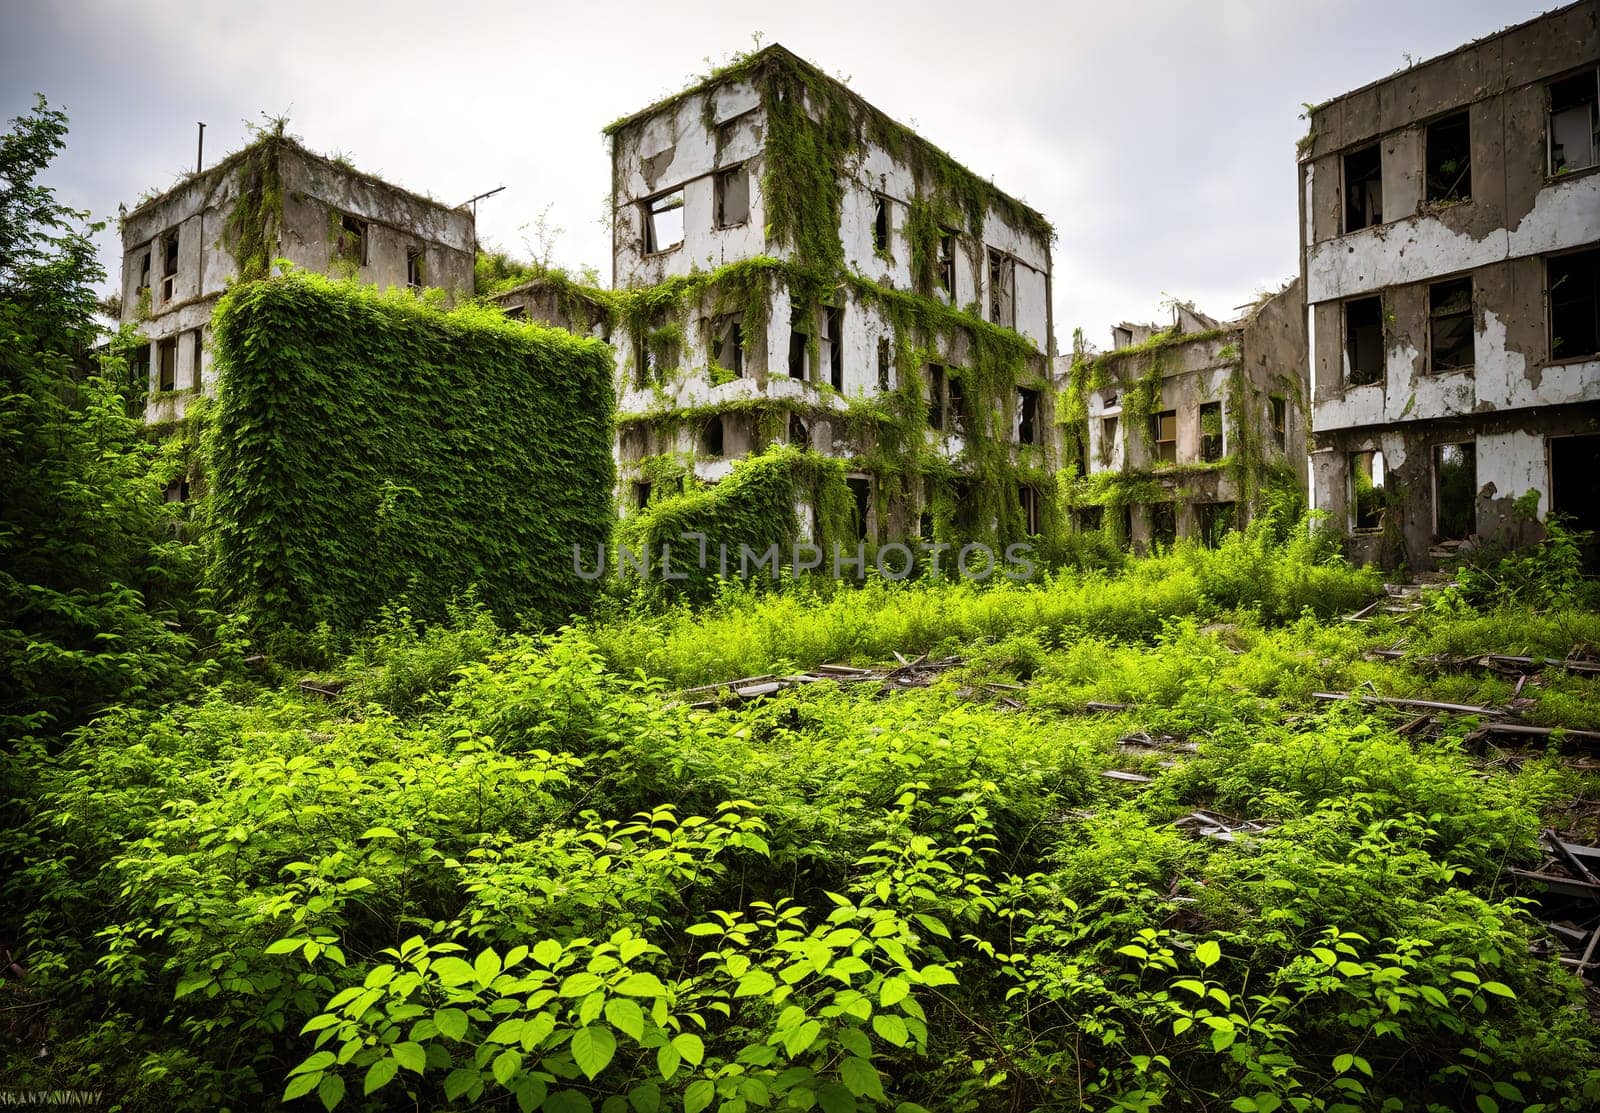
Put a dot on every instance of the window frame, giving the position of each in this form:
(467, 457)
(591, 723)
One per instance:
(1346, 357)
(647, 210)
(718, 180)
(1373, 220)
(1551, 170)
(1550, 307)
(1434, 455)
(1434, 315)
(1451, 197)
(1157, 456)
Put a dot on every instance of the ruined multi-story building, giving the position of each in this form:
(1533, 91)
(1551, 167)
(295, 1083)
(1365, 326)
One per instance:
(793, 267)
(1451, 262)
(272, 200)
(1177, 430)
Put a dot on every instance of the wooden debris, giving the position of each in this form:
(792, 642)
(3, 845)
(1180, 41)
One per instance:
(1123, 775)
(1222, 828)
(1095, 705)
(328, 689)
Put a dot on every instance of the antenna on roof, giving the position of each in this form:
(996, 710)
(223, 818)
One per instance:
(200, 150)
(473, 201)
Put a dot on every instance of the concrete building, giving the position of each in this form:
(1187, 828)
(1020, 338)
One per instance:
(793, 267)
(272, 200)
(1451, 263)
(1177, 430)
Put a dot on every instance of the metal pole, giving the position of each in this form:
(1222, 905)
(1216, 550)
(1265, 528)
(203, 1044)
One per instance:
(200, 150)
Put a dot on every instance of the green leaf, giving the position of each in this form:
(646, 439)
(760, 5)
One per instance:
(937, 975)
(451, 1023)
(755, 984)
(698, 1095)
(861, 1078)
(1244, 1105)
(691, 1047)
(1342, 1063)
(625, 1016)
(667, 1060)
(645, 1098)
(331, 1091)
(379, 1074)
(1499, 989)
(891, 1029)
(802, 1037)
(452, 971)
(893, 991)
(486, 967)
(546, 951)
(580, 985)
(1486, 1104)
(411, 1056)
(835, 1098)
(459, 1081)
(592, 1049)
(1207, 953)
(642, 985)
(301, 1084)
(507, 1031)
(1223, 1038)
(506, 1065)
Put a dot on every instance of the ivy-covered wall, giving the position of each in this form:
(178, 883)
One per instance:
(368, 448)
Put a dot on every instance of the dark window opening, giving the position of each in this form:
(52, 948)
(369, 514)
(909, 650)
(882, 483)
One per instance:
(1211, 438)
(635, 441)
(1449, 147)
(1574, 494)
(177, 490)
(1216, 519)
(196, 347)
(644, 360)
(414, 267)
(169, 265)
(832, 345)
(641, 494)
(1574, 305)
(936, 395)
(925, 518)
(167, 364)
(144, 275)
(1279, 407)
(733, 197)
(1575, 122)
(139, 370)
(1108, 440)
(880, 224)
(663, 222)
(1363, 188)
(1455, 491)
(1450, 325)
(516, 312)
(1124, 523)
(1002, 289)
(1367, 478)
(1088, 519)
(1081, 435)
(799, 435)
(1164, 437)
(956, 388)
(1163, 524)
(1363, 341)
(947, 263)
(799, 342)
(352, 245)
(711, 437)
(884, 363)
(730, 344)
(861, 494)
(1027, 416)
(1028, 499)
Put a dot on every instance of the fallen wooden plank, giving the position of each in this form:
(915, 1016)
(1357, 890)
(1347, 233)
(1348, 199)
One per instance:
(1566, 886)
(1396, 701)
(1094, 705)
(1121, 775)
(1528, 729)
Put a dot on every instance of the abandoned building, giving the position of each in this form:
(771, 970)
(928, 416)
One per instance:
(1451, 264)
(1177, 429)
(790, 266)
(274, 199)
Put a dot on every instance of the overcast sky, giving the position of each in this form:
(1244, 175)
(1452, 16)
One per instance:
(1157, 136)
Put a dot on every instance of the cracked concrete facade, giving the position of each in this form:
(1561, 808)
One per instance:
(1449, 224)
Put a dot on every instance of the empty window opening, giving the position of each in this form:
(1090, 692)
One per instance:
(516, 313)
(885, 363)
(414, 267)
(1027, 416)
(1108, 440)
(1088, 519)
(1081, 436)
(1574, 494)
(144, 274)
(178, 490)
(861, 497)
(1367, 479)
(663, 222)
(1363, 188)
(730, 344)
(1028, 499)
(1002, 289)
(169, 265)
(880, 224)
(832, 345)
(711, 437)
(1450, 325)
(925, 518)
(936, 395)
(1124, 524)
(799, 343)
(956, 388)
(1574, 305)
(1211, 436)
(1278, 412)
(139, 369)
(196, 348)
(799, 435)
(167, 364)
(947, 263)
(641, 494)
(1455, 491)
(352, 246)
(644, 360)
(1163, 524)
(1215, 519)
(635, 442)
(1450, 159)
(1575, 122)
(733, 197)
(1363, 341)
(1164, 437)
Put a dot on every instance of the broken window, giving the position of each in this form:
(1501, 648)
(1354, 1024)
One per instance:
(414, 267)
(169, 265)
(1449, 146)
(644, 360)
(799, 342)
(1088, 518)
(711, 437)
(1164, 436)
(1080, 436)
(1574, 305)
(1574, 463)
(139, 370)
(1211, 438)
(1028, 498)
(947, 263)
(516, 312)
(1163, 524)
(885, 362)
(177, 490)
(1279, 412)
(167, 364)
(1363, 188)
(1027, 416)
(831, 345)
(936, 395)
(799, 435)
(1108, 440)
(1574, 133)
(1363, 341)
(957, 389)
(1124, 523)
(144, 275)
(641, 494)
(733, 197)
(730, 343)
(352, 245)
(1455, 491)
(861, 495)
(1450, 325)
(1002, 289)
(663, 222)
(197, 345)
(1367, 478)
(880, 224)
(1215, 519)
